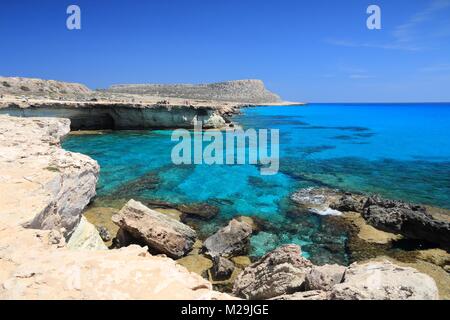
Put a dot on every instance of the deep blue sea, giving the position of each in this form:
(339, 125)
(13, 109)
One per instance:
(400, 151)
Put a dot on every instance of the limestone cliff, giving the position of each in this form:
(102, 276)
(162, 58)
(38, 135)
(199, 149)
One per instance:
(45, 187)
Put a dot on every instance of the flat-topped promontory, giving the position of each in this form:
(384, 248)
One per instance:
(142, 106)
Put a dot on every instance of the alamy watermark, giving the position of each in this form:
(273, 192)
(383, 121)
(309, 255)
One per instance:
(228, 147)
(73, 22)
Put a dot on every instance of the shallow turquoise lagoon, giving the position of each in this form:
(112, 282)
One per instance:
(399, 151)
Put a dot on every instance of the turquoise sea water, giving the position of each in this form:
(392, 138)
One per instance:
(399, 151)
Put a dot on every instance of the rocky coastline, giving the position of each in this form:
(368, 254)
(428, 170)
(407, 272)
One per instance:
(160, 248)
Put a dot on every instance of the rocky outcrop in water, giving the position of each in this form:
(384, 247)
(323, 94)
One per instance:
(243, 91)
(409, 220)
(316, 200)
(161, 233)
(282, 271)
(232, 240)
(384, 281)
(393, 216)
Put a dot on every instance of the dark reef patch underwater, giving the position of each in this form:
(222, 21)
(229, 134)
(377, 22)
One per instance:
(398, 151)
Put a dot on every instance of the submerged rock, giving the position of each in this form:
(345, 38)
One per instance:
(349, 202)
(199, 210)
(232, 240)
(282, 271)
(161, 233)
(45, 186)
(410, 220)
(384, 281)
(222, 268)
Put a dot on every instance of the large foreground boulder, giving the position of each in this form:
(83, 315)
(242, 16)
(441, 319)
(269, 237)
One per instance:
(384, 281)
(161, 233)
(232, 240)
(280, 272)
(406, 219)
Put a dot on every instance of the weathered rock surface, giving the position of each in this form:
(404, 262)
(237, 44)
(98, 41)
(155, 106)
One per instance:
(384, 281)
(41, 88)
(323, 278)
(222, 268)
(56, 184)
(409, 220)
(349, 202)
(232, 240)
(86, 237)
(316, 200)
(199, 210)
(280, 272)
(31, 268)
(243, 91)
(160, 232)
(306, 295)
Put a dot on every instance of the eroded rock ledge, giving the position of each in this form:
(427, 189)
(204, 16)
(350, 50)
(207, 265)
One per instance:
(131, 106)
(45, 187)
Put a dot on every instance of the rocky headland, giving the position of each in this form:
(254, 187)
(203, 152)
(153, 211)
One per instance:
(132, 106)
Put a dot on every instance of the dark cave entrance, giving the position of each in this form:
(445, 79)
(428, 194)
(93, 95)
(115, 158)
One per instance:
(102, 121)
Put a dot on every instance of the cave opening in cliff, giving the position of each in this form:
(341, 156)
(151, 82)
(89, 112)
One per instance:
(100, 122)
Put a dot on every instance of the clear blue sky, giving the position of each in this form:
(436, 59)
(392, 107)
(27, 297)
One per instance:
(316, 50)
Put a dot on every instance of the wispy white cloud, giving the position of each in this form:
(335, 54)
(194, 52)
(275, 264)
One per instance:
(444, 67)
(360, 76)
(406, 33)
(350, 72)
(405, 36)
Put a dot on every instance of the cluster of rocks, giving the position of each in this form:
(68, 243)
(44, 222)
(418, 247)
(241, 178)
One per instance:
(163, 234)
(284, 274)
(398, 217)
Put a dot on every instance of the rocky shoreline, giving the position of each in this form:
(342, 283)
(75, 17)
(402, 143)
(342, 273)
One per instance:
(44, 191)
